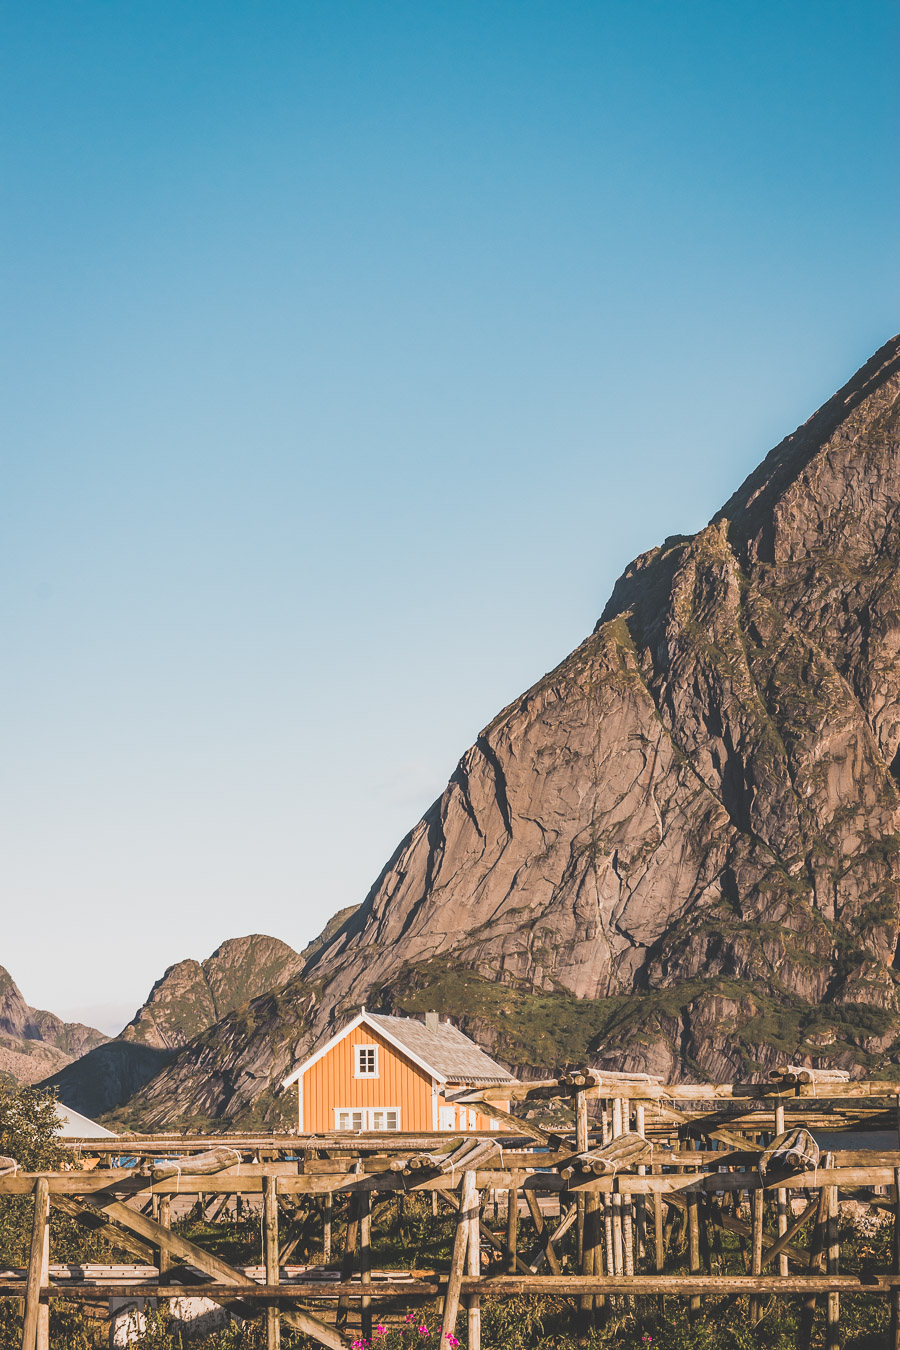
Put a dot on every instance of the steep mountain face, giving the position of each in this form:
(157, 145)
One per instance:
(192, 995)
(680, 850)
(705, 789)
(34, 1043)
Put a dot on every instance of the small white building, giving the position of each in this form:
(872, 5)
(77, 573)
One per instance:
(73, 1125)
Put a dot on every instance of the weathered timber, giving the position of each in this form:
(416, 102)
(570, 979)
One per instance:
(198, 1164)
(461, 1239)
(35, 1263)
(270, 1255)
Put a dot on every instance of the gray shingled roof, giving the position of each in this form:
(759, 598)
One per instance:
(448, 1051)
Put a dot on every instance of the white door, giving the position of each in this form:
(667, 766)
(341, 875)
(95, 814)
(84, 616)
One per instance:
(446, 1117)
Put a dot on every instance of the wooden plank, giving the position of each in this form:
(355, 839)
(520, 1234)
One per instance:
(68, 1183)
(308, 1291)
(638, 1285)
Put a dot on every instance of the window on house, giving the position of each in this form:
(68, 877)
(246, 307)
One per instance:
(347, 1119)
(365, 1061)
(367, 1118)
(384, 1118)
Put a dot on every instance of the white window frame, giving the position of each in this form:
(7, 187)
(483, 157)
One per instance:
(350, 1111)
(357, 1059)
(366, 1116)
(374, 1111)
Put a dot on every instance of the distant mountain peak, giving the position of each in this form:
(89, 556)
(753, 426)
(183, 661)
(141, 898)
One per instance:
(193, 995)
(33, 1042)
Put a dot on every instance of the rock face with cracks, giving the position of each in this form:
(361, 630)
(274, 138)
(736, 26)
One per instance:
(683, 844)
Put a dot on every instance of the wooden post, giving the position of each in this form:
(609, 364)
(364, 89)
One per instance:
(581, 1143)
(586, 1301)
(42, 1341)
(659, 1245)
(273, 1318)
(329, 1220)
(758, 1200)
(832, 1336)
(349, 1248)
(512, 1228)
(473, 1268)
(165, 1218)
(627, 1212)
(781, 1198)
(35, 1263)
(461, 1241)
(617, 1233)
(365, 1260)
(895, 1295)
(608, 1234)
(693, 1218)
(816, 1245)
(640, 1201)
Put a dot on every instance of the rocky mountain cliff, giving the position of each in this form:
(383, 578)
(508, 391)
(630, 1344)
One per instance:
(34, 1043)
(192, 995)
(680, 850)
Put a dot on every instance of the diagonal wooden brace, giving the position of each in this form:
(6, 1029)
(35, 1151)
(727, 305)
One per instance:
(183, 1250)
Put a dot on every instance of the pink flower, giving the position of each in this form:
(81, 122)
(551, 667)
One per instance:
(381, 1331)
(423, 1330)
(451, 1339)
(408, 1317)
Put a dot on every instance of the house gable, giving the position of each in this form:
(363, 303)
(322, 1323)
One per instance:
(330, 1082)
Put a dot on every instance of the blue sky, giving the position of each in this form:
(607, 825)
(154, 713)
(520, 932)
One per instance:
(350, 351)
